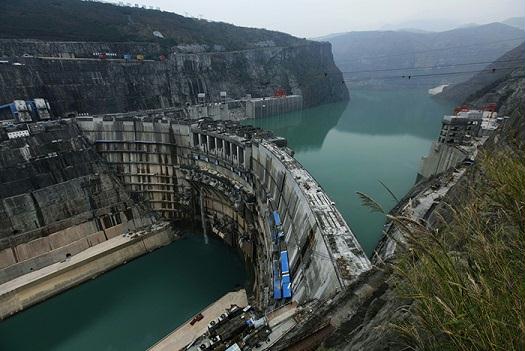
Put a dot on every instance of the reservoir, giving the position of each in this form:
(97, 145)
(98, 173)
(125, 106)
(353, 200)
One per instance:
(379, 136)
(132, 306)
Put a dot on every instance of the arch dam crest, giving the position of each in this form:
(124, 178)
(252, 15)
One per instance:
(245, 186)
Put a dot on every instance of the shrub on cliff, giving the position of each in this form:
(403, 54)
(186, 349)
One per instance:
(466, 279)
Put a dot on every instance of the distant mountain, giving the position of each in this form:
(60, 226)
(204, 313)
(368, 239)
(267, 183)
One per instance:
(425, 25)
(381, 58)
(506, 69)
(414, 30)
(517, 22)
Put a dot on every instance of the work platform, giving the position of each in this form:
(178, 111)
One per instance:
(187, 333)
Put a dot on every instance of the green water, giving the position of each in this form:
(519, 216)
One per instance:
(350, 147)
(133, 306)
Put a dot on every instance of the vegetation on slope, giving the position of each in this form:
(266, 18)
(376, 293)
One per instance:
(76, 20)
(466, 278)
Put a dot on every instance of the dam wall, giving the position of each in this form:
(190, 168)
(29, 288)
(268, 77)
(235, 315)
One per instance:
(232, 178)
(246, 108)
(441, 157)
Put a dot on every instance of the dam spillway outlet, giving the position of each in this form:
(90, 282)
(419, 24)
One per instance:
(236, 179)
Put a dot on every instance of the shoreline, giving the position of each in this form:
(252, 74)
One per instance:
(29, 289)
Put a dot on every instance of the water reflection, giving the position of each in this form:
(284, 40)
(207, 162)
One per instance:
(350, 147)
(393, 112)
(306, 130)
(387, 113)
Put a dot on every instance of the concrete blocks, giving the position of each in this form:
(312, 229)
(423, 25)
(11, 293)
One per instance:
(96, 238)
(7, 258)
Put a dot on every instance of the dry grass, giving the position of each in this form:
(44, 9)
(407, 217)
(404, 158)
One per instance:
(467, 279)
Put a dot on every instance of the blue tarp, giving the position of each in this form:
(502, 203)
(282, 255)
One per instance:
(276, 218)
(287, 286)
(284, 262)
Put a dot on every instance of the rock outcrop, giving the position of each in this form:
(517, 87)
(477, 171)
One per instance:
(58, 198)
(86, 85)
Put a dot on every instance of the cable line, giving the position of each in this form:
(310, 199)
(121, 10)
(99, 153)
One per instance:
(431, 67)
(410, 76)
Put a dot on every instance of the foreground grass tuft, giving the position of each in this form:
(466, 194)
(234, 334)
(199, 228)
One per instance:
(467, 279)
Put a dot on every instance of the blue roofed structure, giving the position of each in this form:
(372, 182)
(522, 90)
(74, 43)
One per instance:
(284, 262)
(277, 294)
(276, 218)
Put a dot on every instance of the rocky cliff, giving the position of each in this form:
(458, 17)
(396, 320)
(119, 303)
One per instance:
(493, 84)
(57, 198)
(185, 57)
(99, 86)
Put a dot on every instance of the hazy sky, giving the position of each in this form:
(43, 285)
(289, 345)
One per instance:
(310, 18)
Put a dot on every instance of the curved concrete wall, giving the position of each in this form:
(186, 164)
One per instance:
(233, 177)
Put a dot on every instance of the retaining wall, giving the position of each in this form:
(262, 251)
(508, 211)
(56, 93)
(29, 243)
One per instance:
(65, 276)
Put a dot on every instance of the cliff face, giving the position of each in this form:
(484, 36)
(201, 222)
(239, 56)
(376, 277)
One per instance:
(98, 86)
(57, 198)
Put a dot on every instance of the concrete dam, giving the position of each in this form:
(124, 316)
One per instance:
(100, 190)
(235, 179)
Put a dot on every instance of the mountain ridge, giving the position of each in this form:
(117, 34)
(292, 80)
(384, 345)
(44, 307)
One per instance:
(76, 20)
(381, 58)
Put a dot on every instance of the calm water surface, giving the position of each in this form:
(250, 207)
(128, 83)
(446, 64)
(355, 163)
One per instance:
(350, 147)
(378, 136)
(133, 306)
